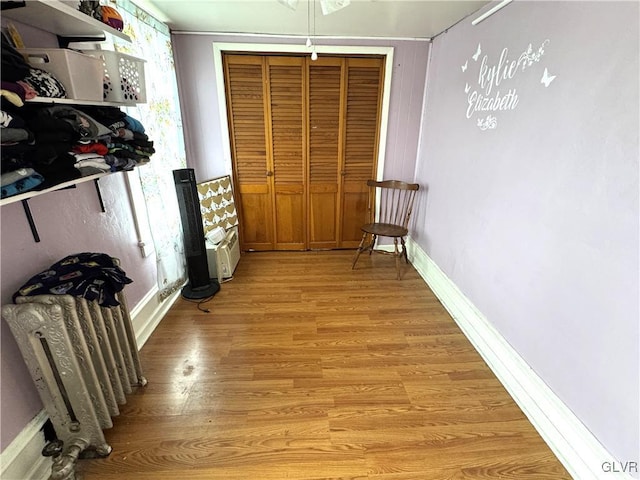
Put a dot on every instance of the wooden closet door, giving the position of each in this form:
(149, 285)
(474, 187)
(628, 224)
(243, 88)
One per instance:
(287, 92)
(304, 142)
(364, 78)
(249, 132)
(325, 150)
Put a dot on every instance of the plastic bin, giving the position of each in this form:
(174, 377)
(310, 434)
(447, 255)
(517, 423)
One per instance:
(71, 3)
(80, 74)
(124, 80)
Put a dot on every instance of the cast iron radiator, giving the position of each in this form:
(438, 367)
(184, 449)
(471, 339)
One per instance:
(83, 359)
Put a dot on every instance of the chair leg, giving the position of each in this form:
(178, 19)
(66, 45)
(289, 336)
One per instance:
(359, 251)
(397, 254)
(404, 251)
(373, 243)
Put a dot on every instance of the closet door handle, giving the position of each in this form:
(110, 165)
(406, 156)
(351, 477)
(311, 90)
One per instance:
(269, 173)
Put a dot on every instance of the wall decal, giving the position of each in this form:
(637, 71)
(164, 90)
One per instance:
(487, 123)
(477, 54)
(546, 78)
(485, 98)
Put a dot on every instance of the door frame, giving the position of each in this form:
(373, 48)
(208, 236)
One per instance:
(266, 48)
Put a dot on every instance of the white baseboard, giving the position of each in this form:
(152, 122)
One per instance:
(148, 313)
(583, 456)
(22, 459)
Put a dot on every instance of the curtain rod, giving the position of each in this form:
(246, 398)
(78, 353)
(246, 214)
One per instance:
(488, 13)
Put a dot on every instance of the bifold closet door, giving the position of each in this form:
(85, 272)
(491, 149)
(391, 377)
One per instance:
(364, 77)
(325, 151)
(265, 101)
(345, 96)
(287, 90)
(247, 111)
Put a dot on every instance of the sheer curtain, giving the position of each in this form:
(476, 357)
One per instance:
(161, 118)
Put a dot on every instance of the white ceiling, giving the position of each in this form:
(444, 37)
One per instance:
(362, 18)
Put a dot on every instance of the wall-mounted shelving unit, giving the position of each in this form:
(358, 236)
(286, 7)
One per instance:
(69, 25)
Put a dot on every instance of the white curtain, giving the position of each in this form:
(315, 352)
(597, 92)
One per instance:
(161, 118)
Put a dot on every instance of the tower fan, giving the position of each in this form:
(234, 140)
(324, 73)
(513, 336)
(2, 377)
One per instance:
(199, 285)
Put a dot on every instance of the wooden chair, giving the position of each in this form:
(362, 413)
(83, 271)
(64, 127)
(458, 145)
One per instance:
(396, 202)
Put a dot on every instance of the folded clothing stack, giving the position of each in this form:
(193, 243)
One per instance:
(62, 143)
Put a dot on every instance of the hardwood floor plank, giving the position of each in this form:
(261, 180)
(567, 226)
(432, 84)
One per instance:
(305, 369)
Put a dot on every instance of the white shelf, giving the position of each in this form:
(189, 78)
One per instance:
(71, 101)
(56, 17)
(60, 186)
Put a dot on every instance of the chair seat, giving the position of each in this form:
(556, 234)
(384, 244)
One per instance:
(384, 229)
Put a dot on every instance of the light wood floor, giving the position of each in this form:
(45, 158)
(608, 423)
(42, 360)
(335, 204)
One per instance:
(305, 369)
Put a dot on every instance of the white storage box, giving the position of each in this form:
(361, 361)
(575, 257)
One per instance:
(80, 74)
(223, 258)
(123, 77)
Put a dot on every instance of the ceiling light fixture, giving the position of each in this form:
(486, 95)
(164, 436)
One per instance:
(292, 4)
(327, 6)
(330, 6)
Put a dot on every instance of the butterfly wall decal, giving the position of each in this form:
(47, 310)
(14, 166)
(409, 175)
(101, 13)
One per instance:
(464, 67)
(546, 78)
(477, 54)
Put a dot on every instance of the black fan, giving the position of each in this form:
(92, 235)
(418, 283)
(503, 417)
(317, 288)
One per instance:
(199, 285)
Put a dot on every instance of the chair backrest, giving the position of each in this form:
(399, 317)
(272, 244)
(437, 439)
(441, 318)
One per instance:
(396, 200)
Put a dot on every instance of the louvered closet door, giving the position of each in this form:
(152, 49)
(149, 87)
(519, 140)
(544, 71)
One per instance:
(304, 142)
(247, 109)
(325, 151)
(288, 150)
(361, 132)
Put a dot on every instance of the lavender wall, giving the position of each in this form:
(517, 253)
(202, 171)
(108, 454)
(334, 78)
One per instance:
(69, 221)
(536, 220)
(199, 102)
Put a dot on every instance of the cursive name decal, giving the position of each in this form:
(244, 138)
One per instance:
(487, 93)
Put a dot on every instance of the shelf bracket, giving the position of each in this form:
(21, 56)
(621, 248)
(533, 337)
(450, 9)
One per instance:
(65, 40)
(95, 181)
(32, 224)
(29, 215)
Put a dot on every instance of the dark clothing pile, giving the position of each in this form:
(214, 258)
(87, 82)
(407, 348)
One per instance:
(44, 145)
(92, 276)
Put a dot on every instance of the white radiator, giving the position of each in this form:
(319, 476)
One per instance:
(83, 359)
